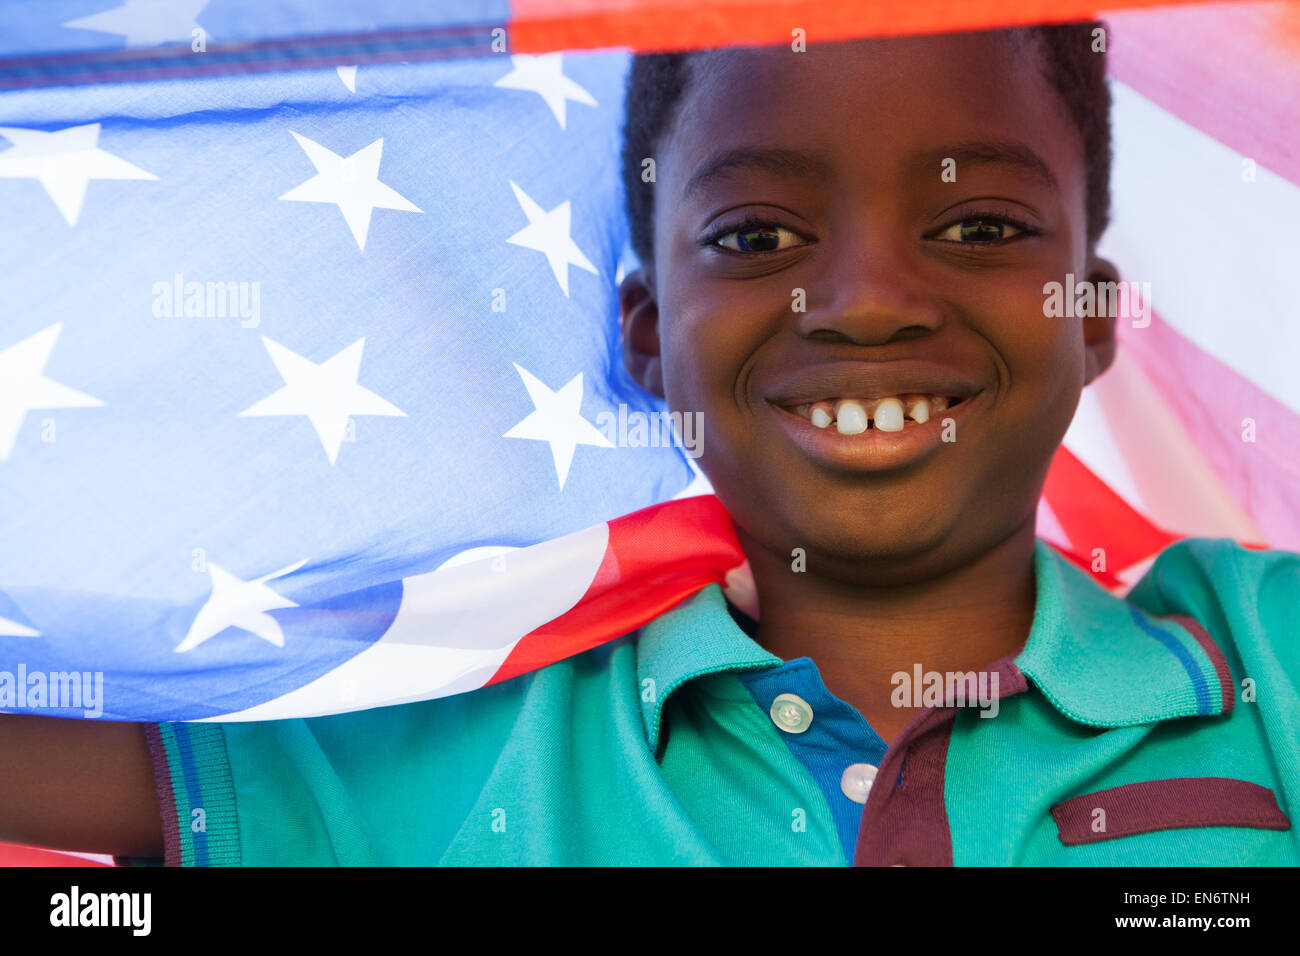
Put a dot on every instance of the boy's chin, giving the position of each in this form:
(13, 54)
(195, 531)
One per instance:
(878, 546)
(871, 548)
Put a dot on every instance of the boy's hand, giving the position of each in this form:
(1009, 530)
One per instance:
(78, 785)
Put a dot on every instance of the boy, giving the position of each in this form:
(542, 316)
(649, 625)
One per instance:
(882, 395)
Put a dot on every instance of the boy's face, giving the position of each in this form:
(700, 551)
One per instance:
(910, 284)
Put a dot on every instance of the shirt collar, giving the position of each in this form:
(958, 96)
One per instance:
(1104, 661)
(1097, 658)
(695, 638)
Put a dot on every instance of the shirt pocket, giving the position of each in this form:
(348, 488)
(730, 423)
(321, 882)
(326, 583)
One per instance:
(1171, 804)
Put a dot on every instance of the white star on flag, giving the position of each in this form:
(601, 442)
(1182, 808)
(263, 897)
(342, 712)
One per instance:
(63, 161)
(544, 76)
(24, 387)
(242, 604)
(10, 628)
(328, 393)
(352, 184)
(147, 22)
(548, 233)
(556, 419)
(348, 74)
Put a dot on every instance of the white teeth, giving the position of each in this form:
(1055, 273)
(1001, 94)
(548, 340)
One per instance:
(853, 416)
(850, 417)
(889, 415)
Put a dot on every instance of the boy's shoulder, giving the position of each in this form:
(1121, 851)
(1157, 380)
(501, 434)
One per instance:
(1243, 594)
(1247, 600)
(1211, 552)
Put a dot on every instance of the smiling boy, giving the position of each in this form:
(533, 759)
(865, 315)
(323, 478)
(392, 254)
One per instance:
(881, 396)
(835, 157)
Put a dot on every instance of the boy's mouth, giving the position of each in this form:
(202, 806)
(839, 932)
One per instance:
(867, 435)
(875, 416)
(890, 413)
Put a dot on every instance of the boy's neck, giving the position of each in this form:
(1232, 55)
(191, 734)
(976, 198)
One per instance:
(860, 637)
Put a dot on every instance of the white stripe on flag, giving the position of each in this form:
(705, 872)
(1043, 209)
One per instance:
(454, 629)
(1222, 255)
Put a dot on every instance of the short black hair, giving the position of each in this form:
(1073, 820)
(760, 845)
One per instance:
(657, 83)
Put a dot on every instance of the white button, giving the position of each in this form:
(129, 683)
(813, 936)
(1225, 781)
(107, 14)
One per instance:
(856, 781)
(791, 713)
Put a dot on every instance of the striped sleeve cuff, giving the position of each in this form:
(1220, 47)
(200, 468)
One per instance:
(196, 796)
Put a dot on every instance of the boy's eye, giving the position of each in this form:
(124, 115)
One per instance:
(758, 237)
(982, 229)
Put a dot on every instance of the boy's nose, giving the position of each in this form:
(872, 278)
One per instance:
(871, 299)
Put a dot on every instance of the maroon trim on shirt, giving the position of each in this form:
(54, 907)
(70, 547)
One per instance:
(166, 800)
(1170, 804)
(905, 821)
(1227, 689)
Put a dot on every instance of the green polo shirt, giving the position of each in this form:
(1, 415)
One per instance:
(1159, 729)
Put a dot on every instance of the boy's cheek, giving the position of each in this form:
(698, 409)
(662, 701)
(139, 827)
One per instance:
(701, 353)
(1038, 407)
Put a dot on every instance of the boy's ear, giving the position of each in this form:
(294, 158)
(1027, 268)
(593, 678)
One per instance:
(639, 316)
(1099, 330)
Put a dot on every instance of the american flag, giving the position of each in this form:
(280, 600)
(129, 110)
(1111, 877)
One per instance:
(309, 354)
(278, 347)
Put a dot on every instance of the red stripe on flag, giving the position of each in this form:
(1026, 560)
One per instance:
(656, 558)
(12, 854)
(1261, 475)
(539, 26)
(1094, 516)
